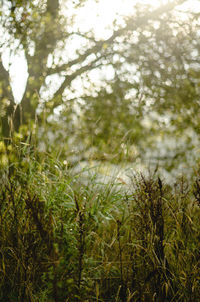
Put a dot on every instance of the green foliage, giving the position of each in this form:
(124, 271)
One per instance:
(65, 236)
(65, 240)
(130, 91)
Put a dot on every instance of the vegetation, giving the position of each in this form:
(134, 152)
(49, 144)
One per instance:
(127, 94)
(143, 67)
(63, 240)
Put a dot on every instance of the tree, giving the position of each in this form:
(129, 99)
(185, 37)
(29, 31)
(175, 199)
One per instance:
(138, 51)
(159, 80)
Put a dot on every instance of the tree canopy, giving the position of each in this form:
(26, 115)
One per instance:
(121, 94)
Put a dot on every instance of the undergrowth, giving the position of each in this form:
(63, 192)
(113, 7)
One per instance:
(65, 240)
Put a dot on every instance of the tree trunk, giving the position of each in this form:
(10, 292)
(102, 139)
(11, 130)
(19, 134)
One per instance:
(10, 113)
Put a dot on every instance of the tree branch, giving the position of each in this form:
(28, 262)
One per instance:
(140, 21)
(70, 78)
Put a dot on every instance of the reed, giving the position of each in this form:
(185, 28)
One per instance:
(63, 240)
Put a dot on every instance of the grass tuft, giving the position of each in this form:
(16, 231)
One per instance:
(65, 240)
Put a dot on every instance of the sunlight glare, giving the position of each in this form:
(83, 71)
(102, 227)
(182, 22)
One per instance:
(99, 16)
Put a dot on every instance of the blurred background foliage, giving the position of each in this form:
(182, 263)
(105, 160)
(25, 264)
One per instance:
(129, 93)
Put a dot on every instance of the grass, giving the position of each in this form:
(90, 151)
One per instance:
(64, 240)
